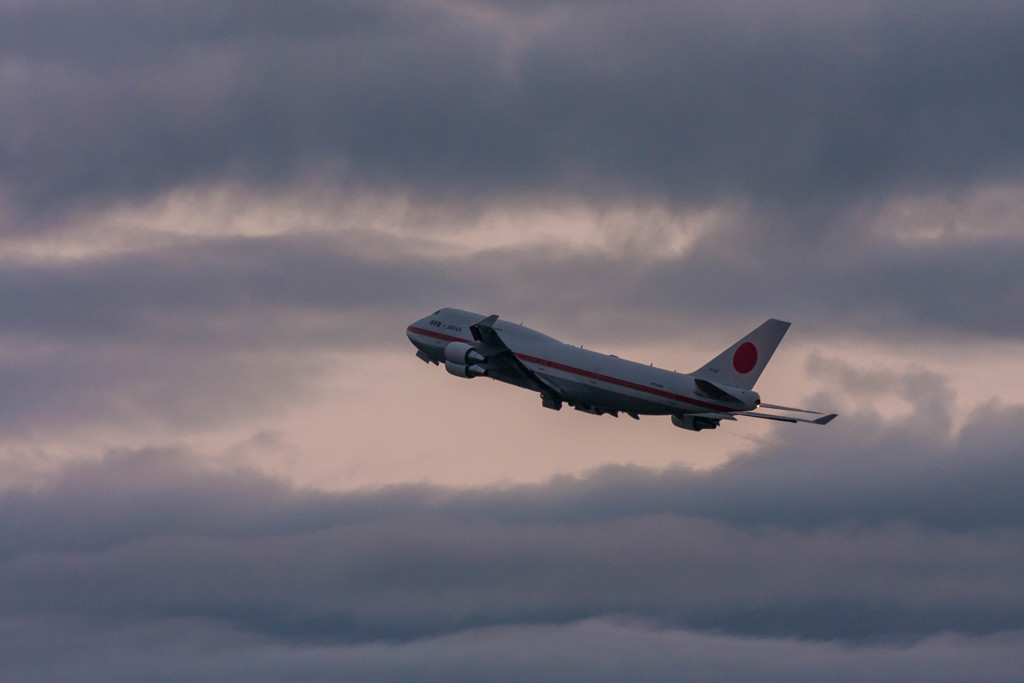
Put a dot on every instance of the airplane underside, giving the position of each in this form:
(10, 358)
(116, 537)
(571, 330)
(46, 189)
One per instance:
(599, 401)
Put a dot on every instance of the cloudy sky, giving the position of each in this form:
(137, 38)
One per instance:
(220, 460)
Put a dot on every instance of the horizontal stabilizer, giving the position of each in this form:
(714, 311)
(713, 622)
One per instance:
(715, 392)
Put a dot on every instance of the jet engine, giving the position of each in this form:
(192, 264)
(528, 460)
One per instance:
(462, 353)
(465, 371)
(694, 422)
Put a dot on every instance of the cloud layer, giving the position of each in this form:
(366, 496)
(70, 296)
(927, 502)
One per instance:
(888, 544)
(685, 103)
(216, 222)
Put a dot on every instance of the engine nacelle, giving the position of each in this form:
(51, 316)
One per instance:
(465, 371)
(462, 353)
(694, 423)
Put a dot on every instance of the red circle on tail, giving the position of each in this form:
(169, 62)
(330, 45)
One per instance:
(745, 358)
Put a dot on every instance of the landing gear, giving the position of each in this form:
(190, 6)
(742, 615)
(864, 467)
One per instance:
(596, 410)
(552, 402)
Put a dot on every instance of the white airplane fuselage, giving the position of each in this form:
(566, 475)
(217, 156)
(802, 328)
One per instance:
(587, 380)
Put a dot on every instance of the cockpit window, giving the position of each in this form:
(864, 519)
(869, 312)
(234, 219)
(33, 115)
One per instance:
(437, 311)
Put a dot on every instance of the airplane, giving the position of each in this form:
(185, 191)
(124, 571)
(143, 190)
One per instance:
(471, 345)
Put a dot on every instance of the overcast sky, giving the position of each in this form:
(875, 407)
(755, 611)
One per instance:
(220, 460)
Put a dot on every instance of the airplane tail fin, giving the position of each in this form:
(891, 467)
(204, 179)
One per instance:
(742, 363)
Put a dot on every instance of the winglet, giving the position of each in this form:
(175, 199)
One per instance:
(825, 419)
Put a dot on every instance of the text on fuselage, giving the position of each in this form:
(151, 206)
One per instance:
(451, 327)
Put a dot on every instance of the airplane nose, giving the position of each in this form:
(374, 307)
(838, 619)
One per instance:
(423, 346)
(414, 333)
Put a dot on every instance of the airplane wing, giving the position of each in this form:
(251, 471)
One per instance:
(700, 421)
(823, 420)
(503, 359)
(794, 410)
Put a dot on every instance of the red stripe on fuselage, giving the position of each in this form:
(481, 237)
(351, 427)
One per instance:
(619, 382)
(583, 373)
(436, 335)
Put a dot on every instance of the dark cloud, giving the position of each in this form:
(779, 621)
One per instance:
(777, 111)
(257, 293)
(874, 531)
(806, 105)
(149, 295)
(212, 330)
(872, 547)
(933, 290)
(594, 650)
(192, 335)
(49, 388)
